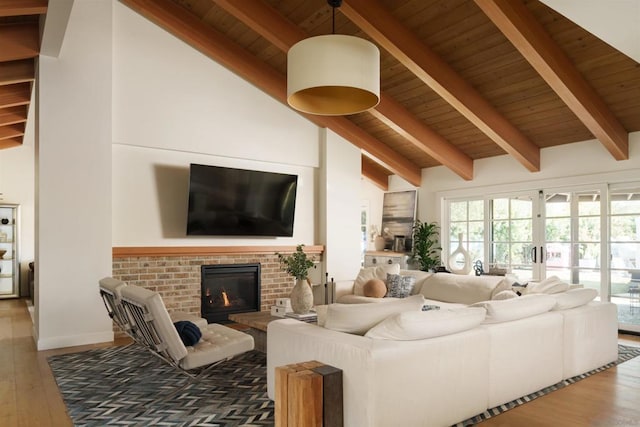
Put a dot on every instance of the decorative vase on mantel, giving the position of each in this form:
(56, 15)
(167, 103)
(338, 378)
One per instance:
(301, 297)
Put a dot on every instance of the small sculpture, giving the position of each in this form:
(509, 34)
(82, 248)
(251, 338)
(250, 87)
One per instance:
(477, 267)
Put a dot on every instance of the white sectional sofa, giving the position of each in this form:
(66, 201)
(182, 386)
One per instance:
(517, 347)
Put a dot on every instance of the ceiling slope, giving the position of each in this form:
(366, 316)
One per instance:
(520, 26)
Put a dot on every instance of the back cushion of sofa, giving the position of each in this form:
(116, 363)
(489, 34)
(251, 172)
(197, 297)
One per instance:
(368, 273)
(420, 276)
(461, 288)
(359, 318)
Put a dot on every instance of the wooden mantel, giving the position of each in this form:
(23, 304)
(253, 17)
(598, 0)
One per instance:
(133, 251)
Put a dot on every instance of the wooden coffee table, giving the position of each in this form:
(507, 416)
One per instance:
(257, 322)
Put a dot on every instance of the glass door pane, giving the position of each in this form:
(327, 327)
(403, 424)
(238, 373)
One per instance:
(511, 243)
(572, 237)
(624, 240)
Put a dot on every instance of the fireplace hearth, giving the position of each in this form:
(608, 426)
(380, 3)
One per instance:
(227, 289)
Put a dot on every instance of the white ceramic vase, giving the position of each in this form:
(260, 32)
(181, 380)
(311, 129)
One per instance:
(301, 297)
(460, 251)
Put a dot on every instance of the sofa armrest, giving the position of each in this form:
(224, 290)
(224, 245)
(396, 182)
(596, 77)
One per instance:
(341, 288)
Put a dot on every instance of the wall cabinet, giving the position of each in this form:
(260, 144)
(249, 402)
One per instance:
(9, 267)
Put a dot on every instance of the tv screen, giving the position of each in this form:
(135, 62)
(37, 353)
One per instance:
(237, 202)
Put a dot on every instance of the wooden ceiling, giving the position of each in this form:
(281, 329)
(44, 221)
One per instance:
(461, 79)
(19, 47)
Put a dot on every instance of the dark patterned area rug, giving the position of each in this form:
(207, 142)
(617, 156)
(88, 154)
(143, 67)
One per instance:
(129, 386)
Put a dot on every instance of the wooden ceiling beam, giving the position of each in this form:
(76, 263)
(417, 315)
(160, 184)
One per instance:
(19, 41)
(218, 47)
(22, 7)
(17, 72)
(520, 26)
(15, 95)
(394, 115)
(377, 177)
(12, 131)
(270, 24)
(407, 48)
(9, 116)
(10, 143)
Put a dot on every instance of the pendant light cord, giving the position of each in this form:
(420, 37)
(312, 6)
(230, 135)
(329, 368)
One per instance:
(334, 4)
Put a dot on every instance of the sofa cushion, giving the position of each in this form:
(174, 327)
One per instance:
(506, 294)
(374, 288)
(369, 273)
(574, 298)
(550, 285)
(361, 299)
(411, 325)
(461, 288)
(400, 286)
(359, 318)
(516, 308)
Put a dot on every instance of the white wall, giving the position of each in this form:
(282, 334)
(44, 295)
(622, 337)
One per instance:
(174, 106)
(340, 206)
(73, 212)
(572, 164)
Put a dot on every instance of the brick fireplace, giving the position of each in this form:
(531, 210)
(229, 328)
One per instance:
(174, 272)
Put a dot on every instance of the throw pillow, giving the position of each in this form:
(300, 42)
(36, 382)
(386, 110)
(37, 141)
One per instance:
(550, 285)
(516, 308)
(400, 286)
(189, 333)
(418, 325)
(369, 273)
(374, 288)
(359, 318)
(574, 298)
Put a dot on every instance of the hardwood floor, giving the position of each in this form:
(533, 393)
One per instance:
(29, 395)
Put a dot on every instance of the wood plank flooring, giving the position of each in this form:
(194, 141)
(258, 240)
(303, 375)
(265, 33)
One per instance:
(29, 395)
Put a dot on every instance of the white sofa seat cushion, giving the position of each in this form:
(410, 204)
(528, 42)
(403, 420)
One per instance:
(418, 325)
(359, 318)
(574, 298)
(369, 273)
(517, 308)
(462, 289)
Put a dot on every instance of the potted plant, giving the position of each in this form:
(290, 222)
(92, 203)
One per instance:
(425, 245)
(298, 265)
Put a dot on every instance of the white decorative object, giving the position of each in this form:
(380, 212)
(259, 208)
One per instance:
(301, 297)
(460, 251)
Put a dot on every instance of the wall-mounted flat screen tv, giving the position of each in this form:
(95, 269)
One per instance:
(238, 202)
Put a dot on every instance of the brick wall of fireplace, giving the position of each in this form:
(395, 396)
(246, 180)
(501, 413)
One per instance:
(176, 277)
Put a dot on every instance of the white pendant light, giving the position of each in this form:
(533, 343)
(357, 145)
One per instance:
(333, 75)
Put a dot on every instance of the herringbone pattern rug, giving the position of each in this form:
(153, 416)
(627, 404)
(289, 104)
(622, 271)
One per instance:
(128, 386)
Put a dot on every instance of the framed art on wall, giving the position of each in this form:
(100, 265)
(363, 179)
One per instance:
(398, 216)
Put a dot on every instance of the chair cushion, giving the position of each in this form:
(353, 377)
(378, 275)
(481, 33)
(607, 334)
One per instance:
(218, 342)
(161, 320)
(412, 325)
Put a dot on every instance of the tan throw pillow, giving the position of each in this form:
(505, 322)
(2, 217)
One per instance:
(374, 288)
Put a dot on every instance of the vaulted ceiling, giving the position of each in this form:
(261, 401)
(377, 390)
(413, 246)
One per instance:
(461, 80)
(19, 46)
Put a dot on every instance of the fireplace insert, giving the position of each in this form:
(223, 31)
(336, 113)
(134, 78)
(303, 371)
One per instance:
(227, 289)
